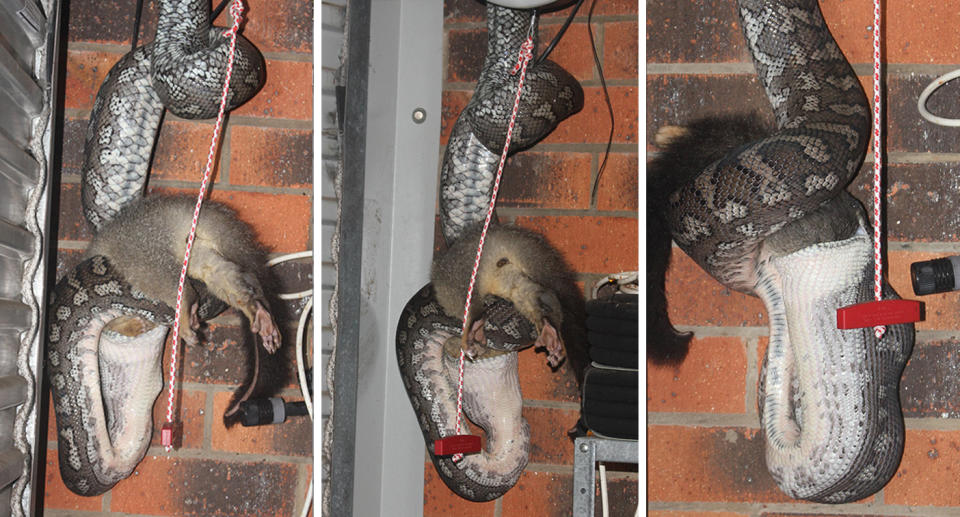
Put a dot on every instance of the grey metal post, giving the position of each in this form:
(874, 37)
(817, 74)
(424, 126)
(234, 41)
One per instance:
(406, 53)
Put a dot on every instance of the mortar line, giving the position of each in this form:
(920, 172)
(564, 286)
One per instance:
(805, 508)
(551, 404)
(561, 212)
(228, 456)
(745, 420)
(753, 373)
(545, 21)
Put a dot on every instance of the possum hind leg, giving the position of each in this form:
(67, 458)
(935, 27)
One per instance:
(237, 287)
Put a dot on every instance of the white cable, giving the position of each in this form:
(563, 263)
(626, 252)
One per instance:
(284, 258)
(603, 490)
(922, 100)
(301, 371)
(308, 502)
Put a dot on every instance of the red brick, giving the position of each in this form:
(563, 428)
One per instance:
(272, 26)
(453, 103)
(440, 501)
(181, 152)
(695, 298)
(613, 7)
(590, 244)
(711, 379)
(291, 438)
(195, 486)
(56, 495)
(708, 464)
(941, 309)
(85, 71)
(108, 21)
(73, 225)
(459, 11)
(930, 459)
(573, 52)
(622, 495)
(548, 434)
(271, 157)
(280, 222)
(685, 32)
(546, 180)
(544, 494)
(539, 382)
(189, 413)
(73, 142)
(914, 31)
(288, 92)
(592, 123)
(929, 385)
(466, 49)
(620, 42)
(665, 513)
(618, 188)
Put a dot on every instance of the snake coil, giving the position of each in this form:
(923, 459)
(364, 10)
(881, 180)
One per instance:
(104, 377)
(491, 392)
(828, 398)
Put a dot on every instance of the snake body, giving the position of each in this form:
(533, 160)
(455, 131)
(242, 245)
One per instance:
(828, 398)
(491, 394)
(105, 336)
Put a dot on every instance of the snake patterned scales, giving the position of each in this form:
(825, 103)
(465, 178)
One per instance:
(105, 375)
(491, 392)
(828, 398)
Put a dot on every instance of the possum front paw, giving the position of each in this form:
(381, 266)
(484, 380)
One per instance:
(262, 323)
(550, 340)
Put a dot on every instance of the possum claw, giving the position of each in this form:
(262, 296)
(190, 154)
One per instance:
(550, 340)
(263, 324)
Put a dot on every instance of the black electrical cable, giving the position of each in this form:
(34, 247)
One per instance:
(136, 25)
(556, 39)
(606, 97)
(219, 9)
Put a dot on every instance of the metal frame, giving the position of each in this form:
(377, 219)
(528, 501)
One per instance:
(586, 453)
(396, 166)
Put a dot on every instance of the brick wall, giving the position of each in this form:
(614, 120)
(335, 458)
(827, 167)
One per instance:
(705, 450)
(265, 173)
(547, 188)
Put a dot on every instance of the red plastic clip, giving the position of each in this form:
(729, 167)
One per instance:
(170, 434)
(886, 312)
(456, 444)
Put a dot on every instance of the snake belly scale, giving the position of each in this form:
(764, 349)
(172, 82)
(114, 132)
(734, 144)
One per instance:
(828, 398)
(491, 391)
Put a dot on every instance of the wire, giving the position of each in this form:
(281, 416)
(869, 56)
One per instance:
(136, 25)
(606, 98)
(604, 505)
(922, 100)
(284, 258)
(556, 39)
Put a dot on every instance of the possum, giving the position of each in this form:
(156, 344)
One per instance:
(519, 266)
(146, 241)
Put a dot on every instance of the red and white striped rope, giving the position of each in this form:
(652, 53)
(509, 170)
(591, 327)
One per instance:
(525, 55)
(236, 11)
(877, 167)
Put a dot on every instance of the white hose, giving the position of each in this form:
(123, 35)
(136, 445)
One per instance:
(301, 370)
(922, 100)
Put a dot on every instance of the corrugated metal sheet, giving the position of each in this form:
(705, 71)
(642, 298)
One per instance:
(28, 50)
(332, 34)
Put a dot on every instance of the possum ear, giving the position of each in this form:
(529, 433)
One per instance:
(550, 339)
